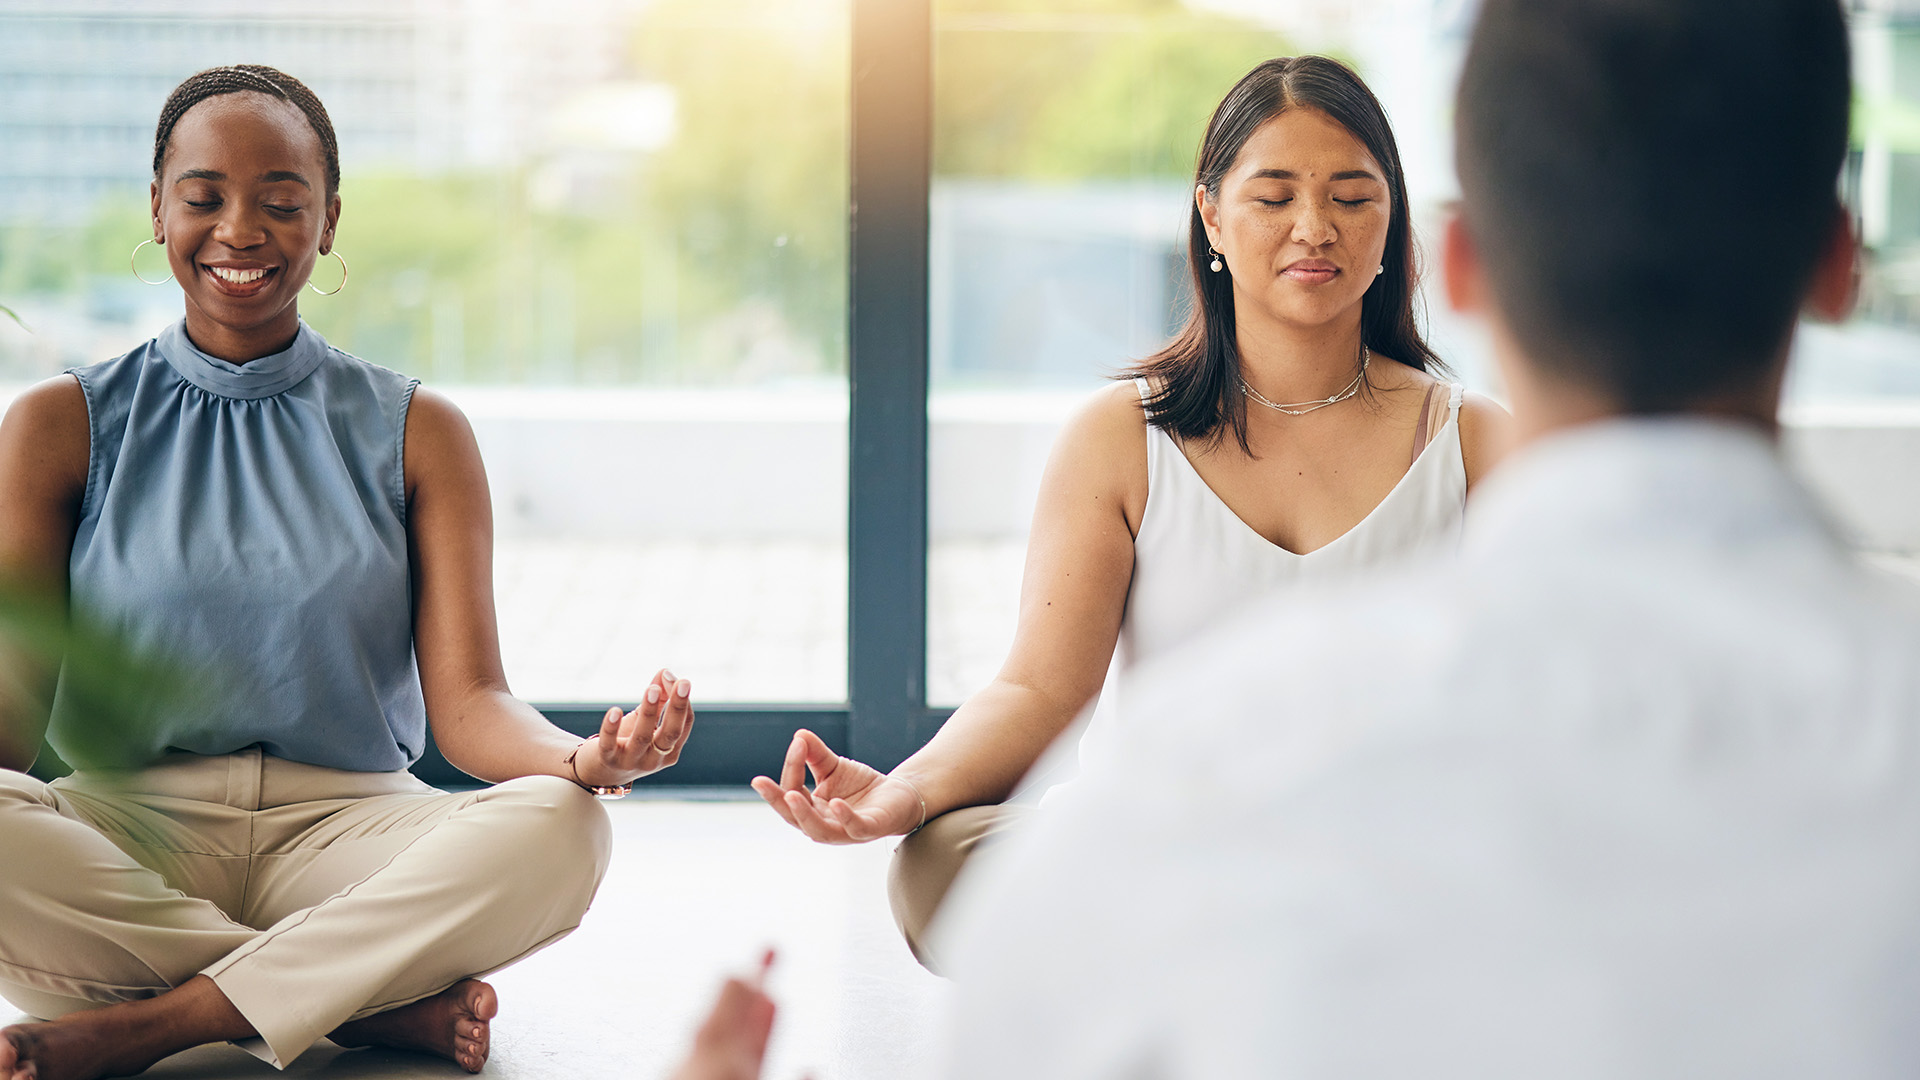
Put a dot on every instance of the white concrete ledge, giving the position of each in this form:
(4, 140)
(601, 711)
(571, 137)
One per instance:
(768, 465)
(647, 464)
(1864, 460)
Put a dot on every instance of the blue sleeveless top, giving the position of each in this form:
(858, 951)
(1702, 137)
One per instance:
(248, 522)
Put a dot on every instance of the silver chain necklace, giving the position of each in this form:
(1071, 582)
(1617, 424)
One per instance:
(1301, 408)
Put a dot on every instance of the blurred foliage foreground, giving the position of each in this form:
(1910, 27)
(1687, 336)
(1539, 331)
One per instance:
(719, 257)
(110, 693)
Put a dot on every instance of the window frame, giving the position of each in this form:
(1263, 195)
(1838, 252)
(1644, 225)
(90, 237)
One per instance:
(886, 717)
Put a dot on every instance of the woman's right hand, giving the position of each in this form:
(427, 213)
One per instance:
(850, 803)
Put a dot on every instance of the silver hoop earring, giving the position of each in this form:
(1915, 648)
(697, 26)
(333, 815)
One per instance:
(1216, 264)
(135, 267)
(343, 275)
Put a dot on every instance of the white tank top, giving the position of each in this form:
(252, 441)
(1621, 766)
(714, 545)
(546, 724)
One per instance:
(1195, 561)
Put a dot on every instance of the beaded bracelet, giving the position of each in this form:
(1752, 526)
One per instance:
(608, 793)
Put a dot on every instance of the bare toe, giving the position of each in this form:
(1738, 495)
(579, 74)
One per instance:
(475, 1005)
(455, 1024)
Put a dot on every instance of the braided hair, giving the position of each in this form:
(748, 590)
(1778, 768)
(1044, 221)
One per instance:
(237, 78)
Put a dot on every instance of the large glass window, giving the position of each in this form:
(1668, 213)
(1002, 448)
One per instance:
(616, 232)
(613, 231)
(1065, 134)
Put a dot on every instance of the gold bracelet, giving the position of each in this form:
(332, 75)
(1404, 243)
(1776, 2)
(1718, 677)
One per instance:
(608, 793)
(915, 788)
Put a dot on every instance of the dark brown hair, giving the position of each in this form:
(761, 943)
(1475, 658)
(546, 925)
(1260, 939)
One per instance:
(238, 78)
(1650, 184)
(1200, 391)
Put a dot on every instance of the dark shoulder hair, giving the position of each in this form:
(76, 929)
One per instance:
(1199, 389)
(261, 79)
(1650, 183)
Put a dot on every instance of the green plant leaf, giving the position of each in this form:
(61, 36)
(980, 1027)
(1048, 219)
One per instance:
(112, 695)
(15, 316)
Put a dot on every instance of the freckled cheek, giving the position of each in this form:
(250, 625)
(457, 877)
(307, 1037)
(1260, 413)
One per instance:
(1375, 234)
(1254, 236)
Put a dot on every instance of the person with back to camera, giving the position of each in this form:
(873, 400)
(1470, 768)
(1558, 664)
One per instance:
(1294, 430)
(314, 532)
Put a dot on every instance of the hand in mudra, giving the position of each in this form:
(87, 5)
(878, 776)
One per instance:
(630, 745)
(850, 802)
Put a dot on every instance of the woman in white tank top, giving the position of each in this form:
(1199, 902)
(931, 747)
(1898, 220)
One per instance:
(1292, 430)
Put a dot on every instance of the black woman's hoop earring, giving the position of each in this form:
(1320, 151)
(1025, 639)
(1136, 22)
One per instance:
(343, 275)
(135, 267)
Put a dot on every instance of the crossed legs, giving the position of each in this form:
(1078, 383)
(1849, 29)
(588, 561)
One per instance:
(360, 915)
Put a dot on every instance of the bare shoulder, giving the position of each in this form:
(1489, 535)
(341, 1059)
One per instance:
(1398, 391)
(1485, 431)
(439, 438)
(51, 405)
(1110, 413)
(434, 415)
(46, 433)
(45, 450)
(1390, 374)
(1109, 428)
(1101, 452)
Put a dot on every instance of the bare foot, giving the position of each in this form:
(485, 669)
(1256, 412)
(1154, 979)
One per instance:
(120, 1040)
(455, 1024)
(82, 1046)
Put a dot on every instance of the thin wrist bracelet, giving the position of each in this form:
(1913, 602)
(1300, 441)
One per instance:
(608, 793)
(915, 788)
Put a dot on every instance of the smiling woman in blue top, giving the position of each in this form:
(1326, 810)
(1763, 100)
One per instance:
(313, 533)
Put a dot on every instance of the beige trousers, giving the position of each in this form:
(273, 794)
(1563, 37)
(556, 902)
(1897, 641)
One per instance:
(310, 896)
(926, 863)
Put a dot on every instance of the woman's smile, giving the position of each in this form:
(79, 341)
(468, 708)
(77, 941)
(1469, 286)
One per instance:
(239, 280)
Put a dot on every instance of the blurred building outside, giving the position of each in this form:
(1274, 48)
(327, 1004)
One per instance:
(566, 217)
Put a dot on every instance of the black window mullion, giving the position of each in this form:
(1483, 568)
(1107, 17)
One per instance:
(892, 157)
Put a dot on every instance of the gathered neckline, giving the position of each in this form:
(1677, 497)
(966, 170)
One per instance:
(261, 378)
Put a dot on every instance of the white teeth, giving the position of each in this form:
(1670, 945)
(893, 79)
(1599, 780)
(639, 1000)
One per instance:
(238, 277)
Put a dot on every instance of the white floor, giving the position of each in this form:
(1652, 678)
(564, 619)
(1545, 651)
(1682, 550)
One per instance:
(696, 890)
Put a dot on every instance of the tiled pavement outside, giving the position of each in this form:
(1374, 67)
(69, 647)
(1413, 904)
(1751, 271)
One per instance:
(590, 621)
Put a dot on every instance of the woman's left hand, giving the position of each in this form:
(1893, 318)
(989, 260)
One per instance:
(646, 740)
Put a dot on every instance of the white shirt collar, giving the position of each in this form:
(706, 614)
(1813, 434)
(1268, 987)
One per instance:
(1624, 480)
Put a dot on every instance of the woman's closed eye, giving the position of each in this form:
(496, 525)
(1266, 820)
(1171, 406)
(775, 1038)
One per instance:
(1288, 199)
